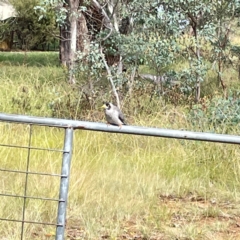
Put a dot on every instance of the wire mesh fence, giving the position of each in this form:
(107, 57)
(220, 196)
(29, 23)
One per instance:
(27, 188)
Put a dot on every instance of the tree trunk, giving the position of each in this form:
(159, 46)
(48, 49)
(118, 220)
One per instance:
(220, 79)
(223, 40)
(238, 68)
(112, 8)
(131, 81)
(198, 85)
(83, 38)
(68, 39)
(64, 44)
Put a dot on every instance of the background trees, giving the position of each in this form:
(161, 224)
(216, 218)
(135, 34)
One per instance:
(28, 32)
(119, 36)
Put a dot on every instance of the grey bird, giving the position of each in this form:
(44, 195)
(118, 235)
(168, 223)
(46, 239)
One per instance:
(113, 114)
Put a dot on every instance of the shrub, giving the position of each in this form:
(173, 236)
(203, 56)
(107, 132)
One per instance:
(217, 113)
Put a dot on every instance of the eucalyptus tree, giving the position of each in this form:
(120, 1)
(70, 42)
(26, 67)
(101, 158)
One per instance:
(137, 31)
(193, 15)
(210, 24)
(75, 32)
(132, 31)
(83, 24)
(66, 18)
(224, 13)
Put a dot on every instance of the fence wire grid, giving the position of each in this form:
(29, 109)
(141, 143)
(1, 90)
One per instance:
(22, 196)
(20, 214)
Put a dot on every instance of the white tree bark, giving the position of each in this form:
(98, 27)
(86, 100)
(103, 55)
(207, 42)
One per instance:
(110, 79)
(73, 16)
(112, 7)
(106, 21)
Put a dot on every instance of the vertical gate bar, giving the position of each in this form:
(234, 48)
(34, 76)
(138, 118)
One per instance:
(63, 194)
(26, 179)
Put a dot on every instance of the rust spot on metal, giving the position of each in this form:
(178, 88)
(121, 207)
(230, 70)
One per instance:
(79, 127)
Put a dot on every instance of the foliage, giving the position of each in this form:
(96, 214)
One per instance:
(218, 114)
(29, 31)
(90, 64)
(157, 34)
(161, 26)
(5, 29)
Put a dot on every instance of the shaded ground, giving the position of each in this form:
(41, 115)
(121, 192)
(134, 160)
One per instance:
(191, 217)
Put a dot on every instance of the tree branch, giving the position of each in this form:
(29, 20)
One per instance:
(110, 78)
(107, 22)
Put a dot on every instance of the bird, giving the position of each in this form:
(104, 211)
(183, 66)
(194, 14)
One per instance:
(113, 114)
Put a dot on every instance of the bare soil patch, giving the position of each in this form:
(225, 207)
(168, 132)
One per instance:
(190, 217)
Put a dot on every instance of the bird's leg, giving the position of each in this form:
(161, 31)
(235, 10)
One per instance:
(120, 126)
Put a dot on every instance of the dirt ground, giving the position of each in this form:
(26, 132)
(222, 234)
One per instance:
(191, 217)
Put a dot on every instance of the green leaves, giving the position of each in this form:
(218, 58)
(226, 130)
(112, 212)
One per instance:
(91, 63)
(217, 113)
(33, 25)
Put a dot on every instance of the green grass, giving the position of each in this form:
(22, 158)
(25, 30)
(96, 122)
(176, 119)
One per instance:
(117, 180)
(30, 82)
(121, 186)
(29, 59)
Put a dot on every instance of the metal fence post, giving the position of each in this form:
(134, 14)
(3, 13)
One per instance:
(66, 163)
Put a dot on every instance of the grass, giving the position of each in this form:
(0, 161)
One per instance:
(29, 59)
(121, 186)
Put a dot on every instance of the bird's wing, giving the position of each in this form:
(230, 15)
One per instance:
(120, 114)
(121, 117)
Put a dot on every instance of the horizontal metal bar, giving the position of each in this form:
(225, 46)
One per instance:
(34, 173)
(31, 197)
(145, 131)
(32, 148)
(42, 223)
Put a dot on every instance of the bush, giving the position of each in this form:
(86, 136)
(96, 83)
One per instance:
(217, 113)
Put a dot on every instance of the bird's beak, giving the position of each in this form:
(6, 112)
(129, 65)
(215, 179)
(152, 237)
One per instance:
(104, 106)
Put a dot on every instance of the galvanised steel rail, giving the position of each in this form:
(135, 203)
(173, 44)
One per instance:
(70, 126)
(64, 181)
(102, 127)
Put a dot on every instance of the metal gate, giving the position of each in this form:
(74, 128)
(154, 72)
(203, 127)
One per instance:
(25, 177)
(59, 222)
